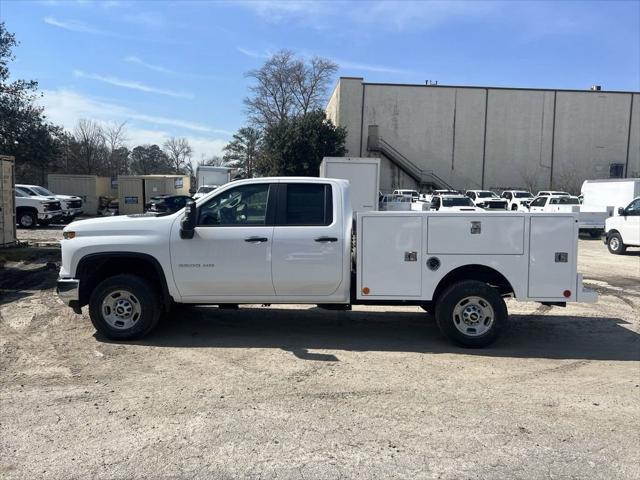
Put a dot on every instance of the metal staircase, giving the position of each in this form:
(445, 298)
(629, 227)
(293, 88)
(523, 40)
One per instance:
(375, 143)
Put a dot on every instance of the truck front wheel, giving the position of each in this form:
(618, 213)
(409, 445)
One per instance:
(615, 244)
(124, 307)
(471, 314)
(27, 218)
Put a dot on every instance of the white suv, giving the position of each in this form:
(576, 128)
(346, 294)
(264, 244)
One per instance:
(71, 205)
(623, 230)
(33, 210)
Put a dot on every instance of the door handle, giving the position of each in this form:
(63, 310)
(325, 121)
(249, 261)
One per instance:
(256, 239)
(326, 239)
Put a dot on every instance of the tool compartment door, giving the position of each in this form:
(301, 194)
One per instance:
(480, 234)
(553, 256)
(390, 260)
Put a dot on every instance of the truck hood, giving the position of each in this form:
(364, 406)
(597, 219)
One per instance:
(67, 197)
(122, 225)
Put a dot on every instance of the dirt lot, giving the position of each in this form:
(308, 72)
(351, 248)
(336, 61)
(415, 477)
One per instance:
(286, 392)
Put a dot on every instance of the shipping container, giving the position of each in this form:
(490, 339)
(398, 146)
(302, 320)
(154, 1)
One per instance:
(136, 190)
(88, 187)
(7, 202)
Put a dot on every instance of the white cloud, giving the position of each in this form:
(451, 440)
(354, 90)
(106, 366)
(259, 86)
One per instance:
(74, 26)
(66, 107)
(150, 66)
(252, 53)
(146, 19)
(132, 84)
(342, 64)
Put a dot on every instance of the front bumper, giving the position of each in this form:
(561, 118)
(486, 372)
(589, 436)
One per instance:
(72, 212)
(50, 215)
(68, 289)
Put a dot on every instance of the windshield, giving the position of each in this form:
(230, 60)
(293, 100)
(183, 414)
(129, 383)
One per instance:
(522, 195)
(42, 191)
(487, 195)
(565, 201)
(457, 202)
(26, 192)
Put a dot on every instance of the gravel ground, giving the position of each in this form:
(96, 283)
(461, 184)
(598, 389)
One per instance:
(297, 392)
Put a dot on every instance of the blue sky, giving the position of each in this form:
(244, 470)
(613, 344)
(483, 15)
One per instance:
(177, 67)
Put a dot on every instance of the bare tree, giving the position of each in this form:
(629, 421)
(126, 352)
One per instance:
(286, 86)
(569, 178)
(309, 82)
(242, 152)
(115, 135)
(90, 146)
(530, 176)
(213, 161)
(179, 152)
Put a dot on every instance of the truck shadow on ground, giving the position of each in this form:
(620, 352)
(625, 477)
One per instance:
(299, 331)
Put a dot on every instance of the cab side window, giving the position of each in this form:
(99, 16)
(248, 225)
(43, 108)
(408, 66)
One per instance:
(539, 202)
(307, 204)
(634, 208)
(243, 205)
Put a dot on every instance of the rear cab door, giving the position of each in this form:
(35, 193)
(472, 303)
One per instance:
(308, 240)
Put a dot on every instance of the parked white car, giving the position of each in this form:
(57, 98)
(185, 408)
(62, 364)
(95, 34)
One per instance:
(408, 193)
(32, 210)
(517, 200)
(623, 230)
(70, 204)
(486, 199)
(286, 240)
(203, 190)
(453, 203)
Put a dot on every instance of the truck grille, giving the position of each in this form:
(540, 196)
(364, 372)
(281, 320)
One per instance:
(74, 204)
(496, 205)
(51, 206)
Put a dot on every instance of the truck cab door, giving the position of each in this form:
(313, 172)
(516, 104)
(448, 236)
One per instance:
(308, 240)
(630, 225)
(230, 252)
(538, 204)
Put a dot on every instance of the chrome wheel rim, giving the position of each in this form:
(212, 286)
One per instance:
(614, 243)
(473, 316)
(26, 220)
(121, 309)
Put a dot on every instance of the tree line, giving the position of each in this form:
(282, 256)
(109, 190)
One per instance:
(287, 132)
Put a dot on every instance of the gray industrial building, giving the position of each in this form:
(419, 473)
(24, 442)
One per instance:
(488, 137)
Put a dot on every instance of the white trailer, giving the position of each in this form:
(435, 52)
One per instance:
(612, 192)
(363, 174)
(207, 175)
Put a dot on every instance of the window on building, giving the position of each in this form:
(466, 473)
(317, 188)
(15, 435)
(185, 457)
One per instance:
(616, 170)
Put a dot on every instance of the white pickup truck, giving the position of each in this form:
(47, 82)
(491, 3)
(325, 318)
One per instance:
(32, 210)
(294, 240)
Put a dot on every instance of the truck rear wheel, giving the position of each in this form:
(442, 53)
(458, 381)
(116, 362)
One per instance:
(124, 307)
(471, 314)
(615, 244)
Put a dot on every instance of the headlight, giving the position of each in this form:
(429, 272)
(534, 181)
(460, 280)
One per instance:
(68, 235)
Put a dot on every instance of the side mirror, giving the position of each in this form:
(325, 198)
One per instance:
(188, 223)
(621, 211)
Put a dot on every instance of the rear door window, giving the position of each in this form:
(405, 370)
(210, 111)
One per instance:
(307, 204)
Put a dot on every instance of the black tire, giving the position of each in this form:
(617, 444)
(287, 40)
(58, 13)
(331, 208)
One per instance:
(27, 219)
(514, 208)
(487, 296)
(149, 307)
(595, 234)
(615, 245)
